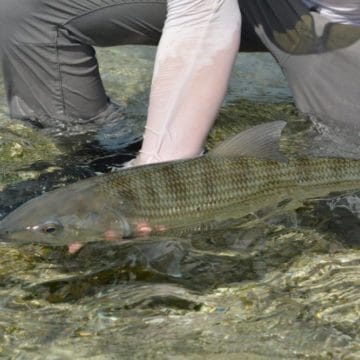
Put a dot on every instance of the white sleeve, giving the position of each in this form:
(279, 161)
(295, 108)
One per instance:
(192, 69)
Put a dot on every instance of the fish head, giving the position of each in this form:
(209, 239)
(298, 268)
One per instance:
(77, 213)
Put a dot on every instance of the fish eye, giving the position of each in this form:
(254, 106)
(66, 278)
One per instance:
(50, 227)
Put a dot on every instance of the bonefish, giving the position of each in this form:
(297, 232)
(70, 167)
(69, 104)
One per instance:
(242, 175)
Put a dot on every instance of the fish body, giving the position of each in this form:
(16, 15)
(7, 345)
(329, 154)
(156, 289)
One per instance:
(181, 194)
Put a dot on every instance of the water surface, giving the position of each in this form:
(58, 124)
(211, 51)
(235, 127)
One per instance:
(285, 289)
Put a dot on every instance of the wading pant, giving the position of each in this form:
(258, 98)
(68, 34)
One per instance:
(51, 72)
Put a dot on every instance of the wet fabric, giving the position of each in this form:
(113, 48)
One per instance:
(342, 11)
(320, 60)
(51, 73)
(50, 69)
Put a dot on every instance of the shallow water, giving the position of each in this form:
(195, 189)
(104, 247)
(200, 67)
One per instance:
(285, 289)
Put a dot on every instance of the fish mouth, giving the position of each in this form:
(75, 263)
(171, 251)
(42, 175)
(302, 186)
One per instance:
(4, 234)
(6, 229)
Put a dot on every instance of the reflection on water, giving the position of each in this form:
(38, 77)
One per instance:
(286, 289)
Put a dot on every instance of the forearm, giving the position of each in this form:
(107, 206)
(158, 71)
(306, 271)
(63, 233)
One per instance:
(192, 69)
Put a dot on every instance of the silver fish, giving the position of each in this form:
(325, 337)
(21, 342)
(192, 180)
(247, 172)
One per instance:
(241, 176)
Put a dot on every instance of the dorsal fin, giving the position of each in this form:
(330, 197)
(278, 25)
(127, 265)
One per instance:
(261, 141)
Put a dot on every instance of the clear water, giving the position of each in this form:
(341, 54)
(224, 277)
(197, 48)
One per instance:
(287, 289)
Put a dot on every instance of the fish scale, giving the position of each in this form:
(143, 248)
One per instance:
(200, 189)
(241, 176)
(206, 188)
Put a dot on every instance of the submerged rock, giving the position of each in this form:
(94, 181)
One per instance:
(20, 147)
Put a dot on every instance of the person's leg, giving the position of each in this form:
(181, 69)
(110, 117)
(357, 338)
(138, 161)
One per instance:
(49, 65)
(320, 60)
